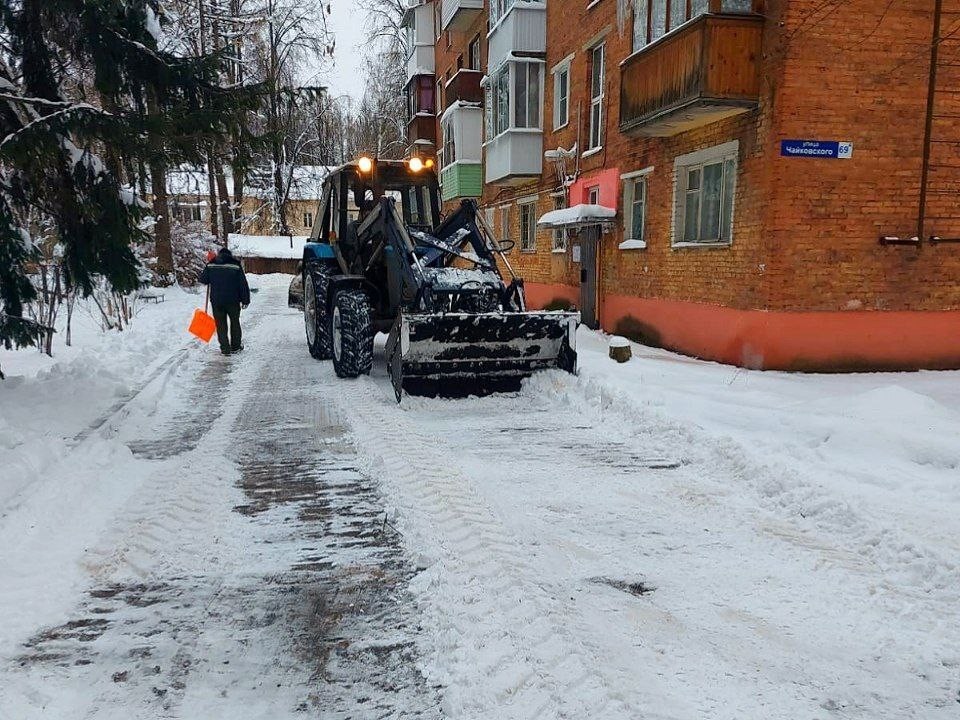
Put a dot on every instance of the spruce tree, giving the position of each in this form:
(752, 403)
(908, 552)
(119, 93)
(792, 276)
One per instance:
(80, 79)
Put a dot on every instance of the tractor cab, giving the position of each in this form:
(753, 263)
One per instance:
(353, 190)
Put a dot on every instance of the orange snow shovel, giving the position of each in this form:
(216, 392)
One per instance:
(203, 325)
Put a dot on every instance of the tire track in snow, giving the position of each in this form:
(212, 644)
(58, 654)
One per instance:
(225, 575)
(534, 662)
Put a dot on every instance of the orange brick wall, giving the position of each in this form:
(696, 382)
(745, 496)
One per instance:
(851, 77)
(805, 231)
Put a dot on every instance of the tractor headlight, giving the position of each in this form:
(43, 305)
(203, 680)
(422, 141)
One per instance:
(365, 164)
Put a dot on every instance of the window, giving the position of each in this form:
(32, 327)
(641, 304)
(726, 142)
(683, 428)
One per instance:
(641, 17)
(596, 97)
(528, 227)
(411, 40)
(515, 97)
(658, 19)
(488, 217)
(498, 8)
(652, 19)
(449, 147)
(634, 208)
(308, 219)
(593, 195)
(526, 95)
(678, 13)
(559, 234)
(561, 96)
(501, 91)
(473, 54)
(505, 223)
(488, 111)
(196, 213)
(706, 182)
(439, 94)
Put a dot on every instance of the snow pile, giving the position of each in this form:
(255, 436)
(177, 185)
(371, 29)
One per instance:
(45, 402)
(796, 536)
(450, 278)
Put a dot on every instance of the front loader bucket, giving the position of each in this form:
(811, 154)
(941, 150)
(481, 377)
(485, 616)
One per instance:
(461, 353)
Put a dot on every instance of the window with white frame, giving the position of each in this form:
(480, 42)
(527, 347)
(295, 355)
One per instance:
(488, 132)
(308, 219)
(635, 207)
(449, 150)
(501, 92)
(505, 224)
(516, 97)
(526, 95)
(705, 187)
(559, 234)
(561, 95)
(498, 8)
(528, 226)
(596, 96)
(593, 195)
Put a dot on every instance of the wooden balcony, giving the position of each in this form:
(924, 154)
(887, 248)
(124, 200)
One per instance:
(422, 128)
(707, 70)
(465, 86)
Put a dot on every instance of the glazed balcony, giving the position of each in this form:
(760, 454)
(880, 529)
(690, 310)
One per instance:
(515, 155)
(422, 129)
(420, 61)
(458, 14)
(463, 86)
(706, 70)
(521, 31)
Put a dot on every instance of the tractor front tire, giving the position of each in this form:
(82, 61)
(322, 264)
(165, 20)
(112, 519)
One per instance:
(351, 330)
(316, 317)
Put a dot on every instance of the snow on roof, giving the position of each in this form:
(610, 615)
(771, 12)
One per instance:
(457, 106)
(577, 216)
(266, 246)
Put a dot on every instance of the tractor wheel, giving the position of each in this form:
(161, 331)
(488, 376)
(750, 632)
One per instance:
(351, 330)
(316, 318)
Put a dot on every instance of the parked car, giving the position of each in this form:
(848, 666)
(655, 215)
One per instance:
(295, 291)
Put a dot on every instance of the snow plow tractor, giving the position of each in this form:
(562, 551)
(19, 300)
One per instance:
(380, 260)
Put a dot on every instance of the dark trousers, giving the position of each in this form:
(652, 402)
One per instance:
(221, 315)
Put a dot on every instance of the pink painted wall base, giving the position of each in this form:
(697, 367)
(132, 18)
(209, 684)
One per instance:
(802, 341)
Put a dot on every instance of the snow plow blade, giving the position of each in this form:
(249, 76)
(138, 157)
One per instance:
(466, 354)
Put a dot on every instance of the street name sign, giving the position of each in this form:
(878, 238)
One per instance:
(829, 149)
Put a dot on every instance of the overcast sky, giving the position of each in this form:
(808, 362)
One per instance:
(345, 77)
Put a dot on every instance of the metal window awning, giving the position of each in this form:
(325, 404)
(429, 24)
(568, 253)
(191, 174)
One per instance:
(577, 216)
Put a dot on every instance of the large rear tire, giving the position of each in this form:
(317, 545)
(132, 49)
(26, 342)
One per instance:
(351, 332)
(316, 317)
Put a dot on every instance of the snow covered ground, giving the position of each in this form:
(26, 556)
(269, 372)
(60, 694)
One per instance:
(186, 535)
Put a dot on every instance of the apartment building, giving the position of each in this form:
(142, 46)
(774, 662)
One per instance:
(766, 183)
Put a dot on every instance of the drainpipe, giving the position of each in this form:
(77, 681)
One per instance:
(928, 128)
